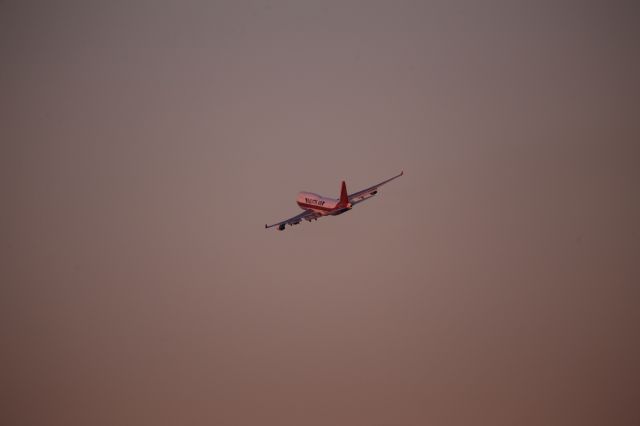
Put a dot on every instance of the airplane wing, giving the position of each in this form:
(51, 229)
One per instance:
(365, 194)
(306, 215)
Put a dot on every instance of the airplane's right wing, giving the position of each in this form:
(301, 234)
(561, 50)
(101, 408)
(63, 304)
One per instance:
(306, 215)
(365, 194)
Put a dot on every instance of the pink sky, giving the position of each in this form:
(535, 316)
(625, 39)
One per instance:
(145, 145)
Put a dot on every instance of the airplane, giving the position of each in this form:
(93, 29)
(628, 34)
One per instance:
(316, 206)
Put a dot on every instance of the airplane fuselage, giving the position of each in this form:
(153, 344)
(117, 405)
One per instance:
(318, 203)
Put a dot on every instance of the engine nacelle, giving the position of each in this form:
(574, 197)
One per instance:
(281, 227)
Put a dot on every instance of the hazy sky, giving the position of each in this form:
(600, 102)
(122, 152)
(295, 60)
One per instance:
(144, 146)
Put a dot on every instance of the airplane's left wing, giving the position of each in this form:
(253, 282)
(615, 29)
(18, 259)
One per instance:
(306, 215)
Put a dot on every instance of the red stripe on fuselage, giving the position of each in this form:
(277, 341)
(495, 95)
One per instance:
(315, 207)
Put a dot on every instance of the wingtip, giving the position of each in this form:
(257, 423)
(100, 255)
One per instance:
(401, 172)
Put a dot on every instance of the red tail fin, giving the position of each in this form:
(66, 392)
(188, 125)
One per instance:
(344, 197)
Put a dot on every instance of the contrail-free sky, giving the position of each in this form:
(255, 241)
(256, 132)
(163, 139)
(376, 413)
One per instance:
(145, 145)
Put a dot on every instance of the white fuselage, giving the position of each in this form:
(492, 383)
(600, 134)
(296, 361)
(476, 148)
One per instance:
(315, 202)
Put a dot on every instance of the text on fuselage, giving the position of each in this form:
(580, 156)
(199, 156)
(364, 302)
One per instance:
(313, 201)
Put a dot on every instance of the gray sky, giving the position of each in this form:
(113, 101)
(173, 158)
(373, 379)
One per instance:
(144, 146)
